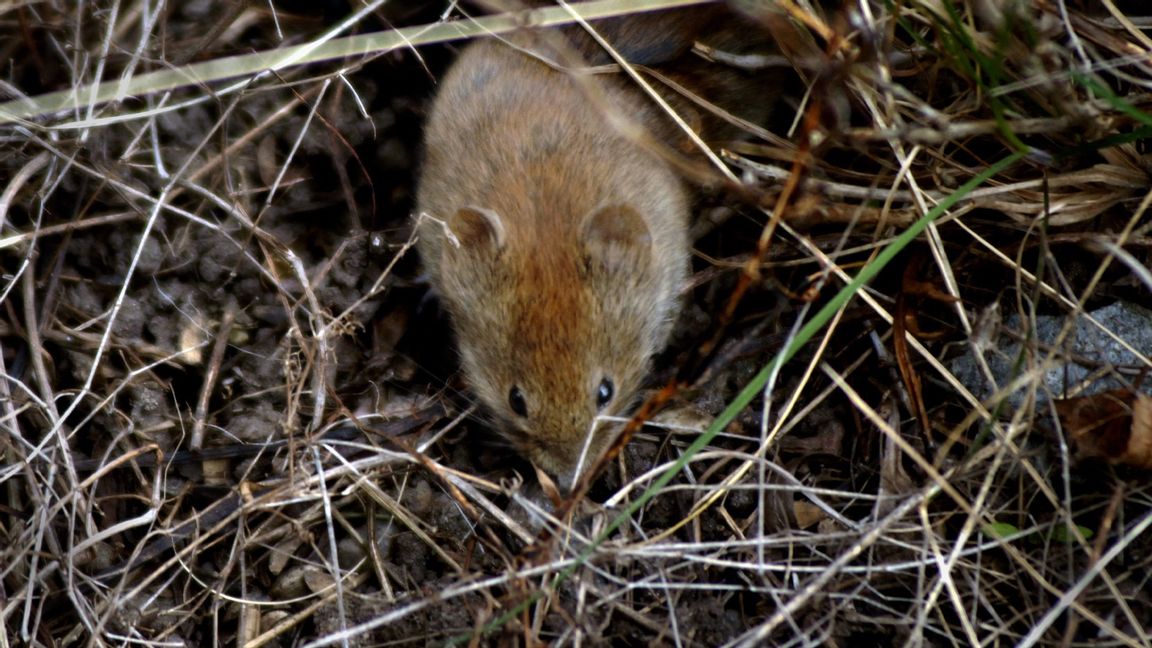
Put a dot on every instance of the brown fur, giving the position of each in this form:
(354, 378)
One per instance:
(572, 244)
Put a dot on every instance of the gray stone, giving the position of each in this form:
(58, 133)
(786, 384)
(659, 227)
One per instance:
(1087, 353)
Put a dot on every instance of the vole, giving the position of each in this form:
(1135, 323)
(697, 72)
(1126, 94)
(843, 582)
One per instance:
(558, 246)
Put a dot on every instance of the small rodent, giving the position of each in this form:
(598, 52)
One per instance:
(570, 245)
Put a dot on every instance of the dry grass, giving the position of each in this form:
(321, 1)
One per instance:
(228, 418)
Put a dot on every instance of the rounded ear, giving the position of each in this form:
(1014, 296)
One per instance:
(475, 229)
(616, 234)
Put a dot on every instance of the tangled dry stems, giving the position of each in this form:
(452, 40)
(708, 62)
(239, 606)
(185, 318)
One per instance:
(215, 431)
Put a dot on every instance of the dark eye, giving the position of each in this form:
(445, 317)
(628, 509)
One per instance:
(516, 401)
(604, 393)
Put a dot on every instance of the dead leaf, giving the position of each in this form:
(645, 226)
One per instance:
(1115, 426)
(807, 514)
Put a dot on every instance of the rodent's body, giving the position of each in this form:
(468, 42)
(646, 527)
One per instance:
(573, 246)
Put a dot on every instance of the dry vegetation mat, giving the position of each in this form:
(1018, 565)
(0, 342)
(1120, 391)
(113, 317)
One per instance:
(229, 414)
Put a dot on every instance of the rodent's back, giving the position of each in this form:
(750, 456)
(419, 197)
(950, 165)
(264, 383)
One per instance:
(572, 244)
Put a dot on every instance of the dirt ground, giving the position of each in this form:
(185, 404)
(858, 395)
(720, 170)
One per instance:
(232, 412)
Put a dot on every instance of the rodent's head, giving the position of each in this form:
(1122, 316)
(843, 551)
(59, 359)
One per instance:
(557, 325)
